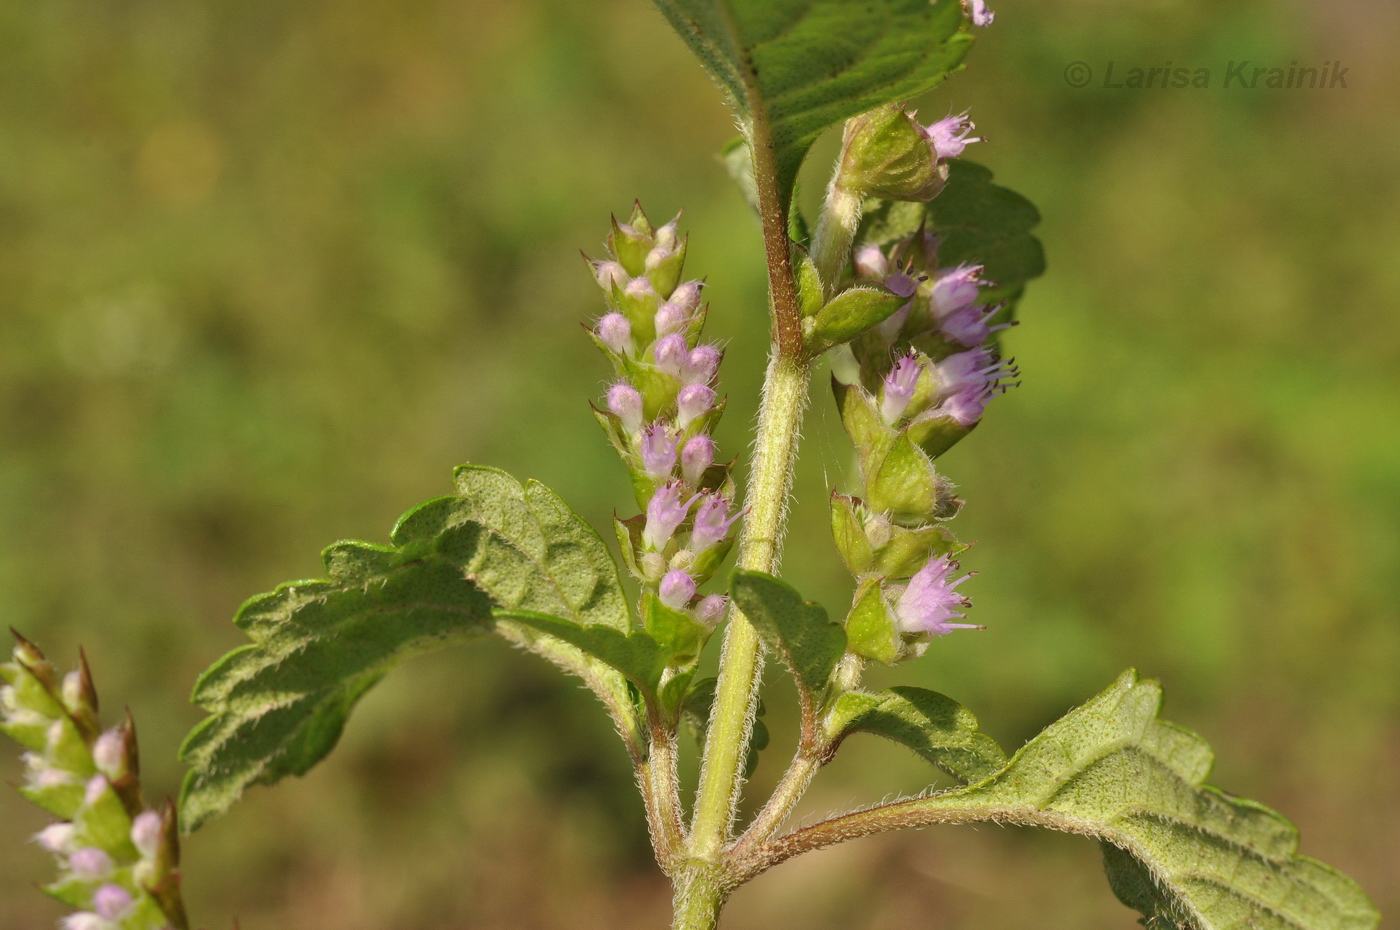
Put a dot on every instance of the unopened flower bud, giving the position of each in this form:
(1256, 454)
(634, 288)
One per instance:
(712, 522)
(666, 236)
(625, 402)
(676, 589)
(97, 785)
(653, 566)
(702, 364)
(658, 452)
(898, 388)
(927, 604)
(666, 510)
(112, 902)
(84, 920)
(871, 262)
(615, 332)
(109, 753)
(710, 610)
(694, 401)
(90, 864)
(671, 354)
(670, 317)
(610, 273)
(697, 455)
(885, 153)
(73, 689)
(51, 778)
(687, 295)
(146, 833)
(57, 838)
(950, 135)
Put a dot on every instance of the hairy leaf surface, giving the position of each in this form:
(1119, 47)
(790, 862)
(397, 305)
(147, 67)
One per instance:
(936, 727)
(791, 68)
(278, 704)
(1182, 853)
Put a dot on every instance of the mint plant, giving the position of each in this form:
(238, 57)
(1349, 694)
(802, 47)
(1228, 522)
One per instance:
(907, 282)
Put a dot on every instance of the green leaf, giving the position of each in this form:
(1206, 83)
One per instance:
(636, 655)
(1182, 853)
(934, 726)
(791, 68)
(278, 704)
(849, 314)
(976, 222)
(798, 631)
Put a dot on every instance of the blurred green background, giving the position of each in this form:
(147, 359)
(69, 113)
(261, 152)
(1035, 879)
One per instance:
(268, 270)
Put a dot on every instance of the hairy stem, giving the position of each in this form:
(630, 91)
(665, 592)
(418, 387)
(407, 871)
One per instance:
(731, 717)
(700, 891)
(909, 813)
(780, 804)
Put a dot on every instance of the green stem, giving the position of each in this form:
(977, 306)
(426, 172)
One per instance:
(699, 895)
(731, 717)
(836, 230)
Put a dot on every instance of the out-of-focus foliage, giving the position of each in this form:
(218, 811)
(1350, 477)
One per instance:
(267, 271)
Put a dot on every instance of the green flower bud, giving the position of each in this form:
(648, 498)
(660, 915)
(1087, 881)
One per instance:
(886, 153)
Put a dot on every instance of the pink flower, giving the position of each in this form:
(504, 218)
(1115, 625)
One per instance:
(676, 589)
(899, 388)
(712, 522)
(658, 452)
(665, 511)
(950, 135)
(670, 317)
(112, 902)
(146, 832)
(701, 365)
(710, 610)
(697, 455)
(615, 332)
(671, 354)
(687, 295)
(625, 402)
(90, 864)
(979, 14)
(694, 401)
(927, 604)
(610, 273)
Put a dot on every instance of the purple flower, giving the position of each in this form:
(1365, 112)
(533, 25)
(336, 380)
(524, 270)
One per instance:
(670, 317)
(966, 406)
(701, 364)
(955, 289)
(899, 388)
(112, 902)
(57, 838)
(901, 284)
(710, 611)
(712, 522)
(978, 370)
(90, 864)
(625, 402)
(927, 604)
(697, 455)
(665, 511)
(658, 452)
(615, 332)
(671, 354)
(610, 273)
(676, 589)
(871, 262)
(969, 326)
(980, 15)
(950, 135)
(146, 832)
(694, 401)
(687, 295)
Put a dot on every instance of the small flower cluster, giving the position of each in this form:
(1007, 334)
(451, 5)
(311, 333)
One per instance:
(659, 415)
(117, 859)
(909, 389)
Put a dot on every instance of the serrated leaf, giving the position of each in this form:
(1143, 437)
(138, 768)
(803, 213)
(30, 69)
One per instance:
(797, 631)
(849, 314)
(279, 704)
(975, 222)
(1183, 853)
(791, 68)
(936, 727)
